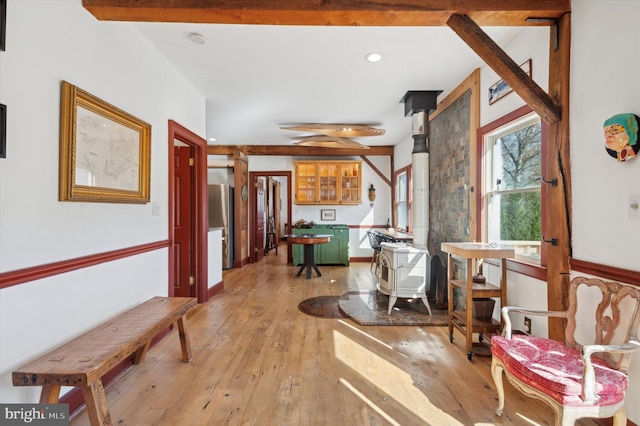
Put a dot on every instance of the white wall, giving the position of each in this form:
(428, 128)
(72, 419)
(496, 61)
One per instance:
(604, 81)
(402, 151)
(49, 41)
(605, 58)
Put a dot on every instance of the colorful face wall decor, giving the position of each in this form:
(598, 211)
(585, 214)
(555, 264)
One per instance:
(621, 136)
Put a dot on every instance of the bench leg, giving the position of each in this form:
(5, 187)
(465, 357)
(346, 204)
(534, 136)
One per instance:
(49, 394)
(141, 353)
(185, 343)
(96, 401)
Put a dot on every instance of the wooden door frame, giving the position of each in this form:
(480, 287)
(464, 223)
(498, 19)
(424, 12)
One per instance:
(199, 200)
(253, 213)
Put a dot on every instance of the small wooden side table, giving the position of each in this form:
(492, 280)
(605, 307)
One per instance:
(309, 241)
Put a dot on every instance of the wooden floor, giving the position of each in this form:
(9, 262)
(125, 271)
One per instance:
(259, 361)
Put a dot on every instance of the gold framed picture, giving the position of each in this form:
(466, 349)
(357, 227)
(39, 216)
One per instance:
(105, 153)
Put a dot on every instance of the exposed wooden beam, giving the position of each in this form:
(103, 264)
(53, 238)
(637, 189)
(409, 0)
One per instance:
(557, 211)
(507, 69)
(375, 169)
(322, 12)
(301, 151)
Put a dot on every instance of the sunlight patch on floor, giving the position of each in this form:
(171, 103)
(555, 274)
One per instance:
(368, 402)
(390, 379)
(357, 330)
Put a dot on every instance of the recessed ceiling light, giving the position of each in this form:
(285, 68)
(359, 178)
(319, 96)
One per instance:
(373, 57)
(212, 139)
(197, 38)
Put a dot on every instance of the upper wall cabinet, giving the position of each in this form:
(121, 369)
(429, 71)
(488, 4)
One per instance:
(328, 182)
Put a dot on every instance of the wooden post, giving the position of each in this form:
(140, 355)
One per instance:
(557, 212)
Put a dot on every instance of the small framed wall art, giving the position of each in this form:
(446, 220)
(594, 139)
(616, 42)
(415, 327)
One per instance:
(327, 214)
(501, 89)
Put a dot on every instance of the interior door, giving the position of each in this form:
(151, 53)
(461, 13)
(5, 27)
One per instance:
(260, 220)
(184, 223)
(277, 203)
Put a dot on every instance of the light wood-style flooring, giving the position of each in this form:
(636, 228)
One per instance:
(259, 361)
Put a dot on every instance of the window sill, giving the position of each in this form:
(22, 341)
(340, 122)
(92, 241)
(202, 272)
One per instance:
(524, 268)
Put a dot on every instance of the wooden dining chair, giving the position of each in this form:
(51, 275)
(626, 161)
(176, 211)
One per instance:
(577, 379)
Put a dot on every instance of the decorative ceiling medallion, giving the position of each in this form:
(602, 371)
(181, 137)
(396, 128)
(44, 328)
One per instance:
(329, 142)
(338, 130)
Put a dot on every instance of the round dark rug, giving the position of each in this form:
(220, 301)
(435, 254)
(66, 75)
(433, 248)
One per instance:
(370, 307)
(321, 307)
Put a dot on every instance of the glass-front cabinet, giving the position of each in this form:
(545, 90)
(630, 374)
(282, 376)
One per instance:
(328, 182)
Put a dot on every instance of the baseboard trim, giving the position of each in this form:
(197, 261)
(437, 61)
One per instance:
(215, 289)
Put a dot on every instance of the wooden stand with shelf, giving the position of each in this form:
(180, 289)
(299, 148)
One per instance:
(464, 321)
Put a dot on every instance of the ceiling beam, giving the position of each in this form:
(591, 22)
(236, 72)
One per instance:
(507, 69)
(301, 151)
(377, 170)
(334, 12)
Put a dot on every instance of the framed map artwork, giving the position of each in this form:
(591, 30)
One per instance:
(104, 151)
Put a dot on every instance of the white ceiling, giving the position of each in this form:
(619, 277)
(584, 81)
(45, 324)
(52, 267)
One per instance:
(257, 78)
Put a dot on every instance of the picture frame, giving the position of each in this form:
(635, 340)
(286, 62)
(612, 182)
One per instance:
(3, 24)
(3, 131)
(501, 89)
(327, 214)
(104, 151)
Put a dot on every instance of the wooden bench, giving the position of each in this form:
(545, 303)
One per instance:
(84, 360)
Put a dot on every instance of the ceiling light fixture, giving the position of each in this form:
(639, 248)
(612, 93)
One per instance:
(196, 38)
(373, 57)
(338, 130)
(329, 142)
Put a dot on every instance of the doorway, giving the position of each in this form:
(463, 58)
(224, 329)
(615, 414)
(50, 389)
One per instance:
(258, 208)
(187, 272)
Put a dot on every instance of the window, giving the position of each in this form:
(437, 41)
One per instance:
(402, 200)
(512, 197)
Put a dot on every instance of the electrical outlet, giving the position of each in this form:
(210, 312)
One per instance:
(527, 325)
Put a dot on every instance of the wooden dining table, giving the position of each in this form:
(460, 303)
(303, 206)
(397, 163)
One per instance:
(396, 235)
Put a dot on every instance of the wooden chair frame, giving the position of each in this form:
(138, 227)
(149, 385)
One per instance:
(608, 325)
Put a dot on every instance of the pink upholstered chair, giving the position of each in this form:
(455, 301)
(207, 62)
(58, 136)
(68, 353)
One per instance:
(575, 379)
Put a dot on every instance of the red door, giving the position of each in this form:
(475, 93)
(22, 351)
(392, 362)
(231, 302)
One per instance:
(260, 222)
(183, 225)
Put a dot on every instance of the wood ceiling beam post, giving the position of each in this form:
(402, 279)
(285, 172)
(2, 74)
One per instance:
(334, 12)
(557, 211)
(507, 69)
(375, 169)
(295, 150)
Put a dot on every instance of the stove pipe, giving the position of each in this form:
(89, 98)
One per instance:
(418, 104)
